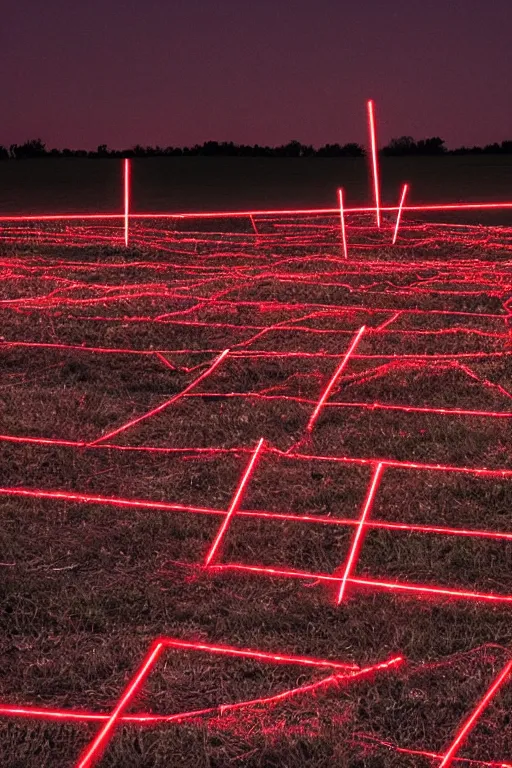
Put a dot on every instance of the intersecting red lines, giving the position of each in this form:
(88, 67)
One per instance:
(97, 746)
(431, 301)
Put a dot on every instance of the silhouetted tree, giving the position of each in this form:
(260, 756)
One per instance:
(30, 149)
(404, 145)
(4, 153)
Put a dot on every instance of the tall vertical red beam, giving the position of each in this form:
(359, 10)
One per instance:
(126, 199)
(375, 160)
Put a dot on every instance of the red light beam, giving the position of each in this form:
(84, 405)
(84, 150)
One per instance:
(234, 504)
(357, 541)
(473, 718)
(163, 406)
(334, 379)
(399, 214)
(126, 199)
(342, 220)
(375, 164)
(96, 747)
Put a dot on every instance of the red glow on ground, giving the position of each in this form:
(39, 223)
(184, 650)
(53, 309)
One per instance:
(358, 535)
(375, 160)
(234, 505)
(336, 375)
(469, 724)
(94, 750)
(399, 214)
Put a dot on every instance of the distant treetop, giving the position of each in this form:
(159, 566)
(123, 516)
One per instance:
(400, 147)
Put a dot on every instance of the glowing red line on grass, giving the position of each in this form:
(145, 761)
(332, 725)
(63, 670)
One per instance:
(83, 716)
(375, 165)
(399, 214)
(342, 221)
(126, 199)
(373, 583)
(234, 504)
(161, 407)
(93, 751)
(473, 718)
(357, 541)
(274, 212)
(334, 379)
(257, 513)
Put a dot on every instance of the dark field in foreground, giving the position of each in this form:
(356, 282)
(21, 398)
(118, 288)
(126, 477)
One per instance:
(102, 546)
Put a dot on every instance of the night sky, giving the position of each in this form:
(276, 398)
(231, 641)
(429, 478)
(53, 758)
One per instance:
(179, 72)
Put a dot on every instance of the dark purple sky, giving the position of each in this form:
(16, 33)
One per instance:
(183, 71)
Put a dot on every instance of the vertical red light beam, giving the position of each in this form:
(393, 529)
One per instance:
(342, 220)
(399, 214)
(126, 199)
(375, 162)
(93, 751)
(234, 505)
(357, 540)
(472, 719)
(334, 379)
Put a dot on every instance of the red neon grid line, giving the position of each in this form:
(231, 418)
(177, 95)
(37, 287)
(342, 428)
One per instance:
(234, 505)
(399, 214)
(472, 720)
(424, 590)
(358, 535)
(163, 406)
(83, 498)
(336, 375)
(93, 751)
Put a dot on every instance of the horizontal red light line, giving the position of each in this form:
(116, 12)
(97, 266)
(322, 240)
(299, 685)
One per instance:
(271, 212)
(362, 461)
(254, 513)
(141, 719)
(376, 584)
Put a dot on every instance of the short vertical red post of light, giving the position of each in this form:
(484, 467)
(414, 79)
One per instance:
(375, 161)
(399, 214)
(126, 199)
(342, 220)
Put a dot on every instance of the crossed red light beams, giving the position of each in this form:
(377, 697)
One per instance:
(95, 749)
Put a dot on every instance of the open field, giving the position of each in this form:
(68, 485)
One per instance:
(206, 184)
(370, 535)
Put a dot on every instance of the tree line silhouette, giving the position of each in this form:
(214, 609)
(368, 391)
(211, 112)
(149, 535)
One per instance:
(401, 147)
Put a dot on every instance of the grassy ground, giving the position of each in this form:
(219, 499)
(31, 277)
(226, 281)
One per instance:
(86, 586)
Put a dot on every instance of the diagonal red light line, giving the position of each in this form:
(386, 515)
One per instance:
(337, 373)
(234, 505)
(92, 752)
(469, 724)
(375, 163)
(342, 221)
(357, 540)
(161, 407)
(393, 586)
(399, 214)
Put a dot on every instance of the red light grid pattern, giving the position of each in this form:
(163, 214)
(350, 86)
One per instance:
(354, 317)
